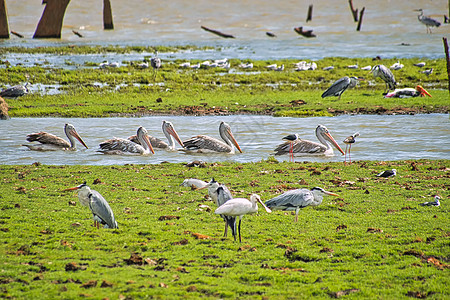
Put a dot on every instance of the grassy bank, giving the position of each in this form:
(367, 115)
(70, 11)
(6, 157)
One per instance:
(374, 241)
(87, 90)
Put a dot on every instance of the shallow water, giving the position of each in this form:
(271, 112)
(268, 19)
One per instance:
(382, 137)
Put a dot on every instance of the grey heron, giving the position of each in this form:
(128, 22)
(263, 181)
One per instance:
(387, 173)
(50, 142)
(305, 147)
(432, 203)
(155, 62)
(386, 75)
(427, 21)
(171, 134)
(101, 211)
(14, 91)
(206, 144)
(122, 146)
(340, 86)
(238, 207)
(349, 141)
(408, 92)
(294, 200)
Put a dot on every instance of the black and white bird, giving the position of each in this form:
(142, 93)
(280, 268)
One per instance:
(386, 75)
(432, 203)
(101, 211)
(340, 86)
(427, 21)
(388, 173)
(349, 141)
(295, 200)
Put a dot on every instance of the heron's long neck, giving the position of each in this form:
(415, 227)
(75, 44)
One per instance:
(317, 200)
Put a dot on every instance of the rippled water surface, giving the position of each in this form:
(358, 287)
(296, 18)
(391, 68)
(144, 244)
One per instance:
(382, 137)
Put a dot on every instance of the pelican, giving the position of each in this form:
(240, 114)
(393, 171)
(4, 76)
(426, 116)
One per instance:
(14, 91)
(349, 141)
(384, 73)
(170, 133)
(408, 92)
(194, 183)
(206, 144)
(238, 207)
(432, 203)
(340, 86)
(101, 211)
(123, 146)
(427, 21)
(220, 194)
(297, 199)
(388, 173)
(305, 147)
(50, 142)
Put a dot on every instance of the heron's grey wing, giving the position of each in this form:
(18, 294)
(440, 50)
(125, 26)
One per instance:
(47, 138)
(387, 76)
(223, 194)
(203, 142)
(101, 209)
(337, 88)
(291, 200)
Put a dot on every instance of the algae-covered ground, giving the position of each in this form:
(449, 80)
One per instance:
(373, 241)
(89, 91)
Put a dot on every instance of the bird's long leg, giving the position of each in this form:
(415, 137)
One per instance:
(240, 240)
(226, 229)
(296, 214)
(345, 157)
(349, 157)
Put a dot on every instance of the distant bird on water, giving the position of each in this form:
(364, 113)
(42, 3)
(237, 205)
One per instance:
(14, 91)
(388, 173)
(386, 75)
(295, 200)
(432, 203)
(349, 141)
(340, 86)
(427, 21)
(50, 142)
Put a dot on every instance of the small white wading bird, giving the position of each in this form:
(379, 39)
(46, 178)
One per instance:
(349, 141)
(194, 183)
(388, 173)
(170, 133)
(427, 21)
(220, 194)
(122, 146)
(206, 144)
(238, 207)
(305, 147)
(14, 91)
(101, 211)
(386, 75)
(408, 92)
(432, 203)
(340, 86)
(50, 142)
(294, 200)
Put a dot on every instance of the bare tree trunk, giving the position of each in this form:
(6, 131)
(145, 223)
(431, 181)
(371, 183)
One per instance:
(448, 61)
(310, 12)
(4, 29)
(107, 15)
(361, 14)
(52, 18)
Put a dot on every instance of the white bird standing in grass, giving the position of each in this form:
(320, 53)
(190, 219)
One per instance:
(238, 207)
(194, 183)
(101, 211)
(432, 203)
(294, 200)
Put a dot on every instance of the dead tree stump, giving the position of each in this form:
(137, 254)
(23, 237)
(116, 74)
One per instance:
(4, 29)
(107, 15)
(51, 22)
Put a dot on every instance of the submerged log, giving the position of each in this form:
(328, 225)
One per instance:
(17, 34)
(310, 11)
(224, 35)
(354, 11)
(361, 14)
(107, 15)
(447, 57)
(305, 33)
(50, 24)
(4, 30)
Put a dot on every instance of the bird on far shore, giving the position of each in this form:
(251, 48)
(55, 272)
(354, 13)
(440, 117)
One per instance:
(427, 21)
(386, 75)
(155, 62)
(432, 203)
(340, 86)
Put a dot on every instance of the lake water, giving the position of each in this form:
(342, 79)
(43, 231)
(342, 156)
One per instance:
(395, 137)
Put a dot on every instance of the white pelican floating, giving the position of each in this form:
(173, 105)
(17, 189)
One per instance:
(50, 142)
(408, 92)
(122, 146)
(305, 147)
(101, 211)
(206, 144)
(238, 207)
(388, 173)
(349, 141)
(432, 203)
(170, 133)
(294, 200)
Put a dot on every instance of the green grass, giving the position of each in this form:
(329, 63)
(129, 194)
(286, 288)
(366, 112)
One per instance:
(374, 241)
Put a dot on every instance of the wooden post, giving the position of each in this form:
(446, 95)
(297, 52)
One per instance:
(361, 14)
(448, 61)
(310, 10)
(50, 24)
(107, 15)
(354, 11)
(4, 29)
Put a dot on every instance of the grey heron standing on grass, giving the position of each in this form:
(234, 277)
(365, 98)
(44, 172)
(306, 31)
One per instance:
(155, 62)
(340, 86)
(386, 75)
(238, 207)
(50, 142)
(427, 21)
(101, 211)
(348, 142)
(294, 200)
